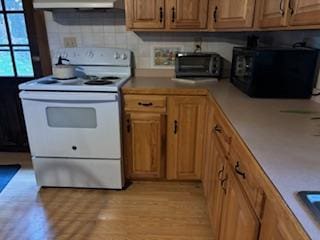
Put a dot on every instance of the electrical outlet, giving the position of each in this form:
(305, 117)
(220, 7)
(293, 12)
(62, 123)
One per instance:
(70, 42)
(197, 44)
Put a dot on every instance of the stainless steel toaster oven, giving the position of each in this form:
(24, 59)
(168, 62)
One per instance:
(198, 65)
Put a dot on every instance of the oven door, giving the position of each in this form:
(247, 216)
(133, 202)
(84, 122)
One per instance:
(70, 124)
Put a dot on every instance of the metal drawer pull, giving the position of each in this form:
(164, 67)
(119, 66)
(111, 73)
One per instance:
(161, 14)
(173, 15)
(128, 126)
(218, 129)
(145, 104)
(281, 8)
(220, 173)
(237, 169)
(175, 128)
(291, 7)
(223, 186)
(215, 14)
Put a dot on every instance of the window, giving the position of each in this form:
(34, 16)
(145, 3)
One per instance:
(15, 56)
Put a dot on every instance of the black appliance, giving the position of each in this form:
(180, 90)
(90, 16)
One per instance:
(198, 65)
(274, 72)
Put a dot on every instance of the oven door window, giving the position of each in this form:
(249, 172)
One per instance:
(194, 64)
(71, 117)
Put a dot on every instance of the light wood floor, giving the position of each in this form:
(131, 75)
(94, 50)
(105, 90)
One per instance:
(145, 211)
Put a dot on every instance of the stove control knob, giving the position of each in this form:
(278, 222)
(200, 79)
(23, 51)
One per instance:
(116, 55)
(124, 56)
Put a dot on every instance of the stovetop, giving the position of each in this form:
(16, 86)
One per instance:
(91, 83)
(97, 70)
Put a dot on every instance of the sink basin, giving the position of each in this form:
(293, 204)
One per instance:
(312, 201)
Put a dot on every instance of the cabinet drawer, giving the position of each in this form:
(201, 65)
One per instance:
(145, 103)
(243, 166)
(222, 131)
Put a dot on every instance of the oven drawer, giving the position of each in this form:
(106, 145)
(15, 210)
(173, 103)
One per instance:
(145, 103)
(78, 172)
(74, 125)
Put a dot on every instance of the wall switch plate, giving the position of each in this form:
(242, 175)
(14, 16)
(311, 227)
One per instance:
(70, 42)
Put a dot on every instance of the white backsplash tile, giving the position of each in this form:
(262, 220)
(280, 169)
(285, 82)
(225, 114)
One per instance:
(96, 29)
(107, 29)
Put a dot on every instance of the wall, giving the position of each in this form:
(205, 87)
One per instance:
(107, 29)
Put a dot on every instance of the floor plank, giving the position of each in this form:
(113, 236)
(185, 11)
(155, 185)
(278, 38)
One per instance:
(144, 211)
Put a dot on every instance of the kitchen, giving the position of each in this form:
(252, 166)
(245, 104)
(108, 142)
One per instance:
(195, 158)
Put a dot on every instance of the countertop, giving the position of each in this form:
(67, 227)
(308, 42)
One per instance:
(285, 144)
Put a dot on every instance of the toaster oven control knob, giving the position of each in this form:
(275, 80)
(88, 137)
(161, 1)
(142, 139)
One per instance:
(124, 56)
(116, 55)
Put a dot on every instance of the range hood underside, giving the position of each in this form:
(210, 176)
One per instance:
(73, 4)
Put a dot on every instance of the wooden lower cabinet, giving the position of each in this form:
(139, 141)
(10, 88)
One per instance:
(216, 195)
(239, 221)
(276, 226)
(185, 136)
(164, 136)
(145, 143)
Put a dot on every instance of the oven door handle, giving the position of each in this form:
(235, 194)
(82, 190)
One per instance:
(69, 97)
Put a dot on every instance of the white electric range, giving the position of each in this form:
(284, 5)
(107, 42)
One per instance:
(74, 126)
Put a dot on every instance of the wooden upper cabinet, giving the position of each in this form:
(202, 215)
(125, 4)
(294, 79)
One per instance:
(273, 13)
(187, 14)
(277, 226)
(231, 14)
(304, 12)
(144, 143)
(145, 14)
(239, 221)
(185, 136)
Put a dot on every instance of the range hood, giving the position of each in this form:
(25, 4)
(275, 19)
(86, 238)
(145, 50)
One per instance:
(73, 4)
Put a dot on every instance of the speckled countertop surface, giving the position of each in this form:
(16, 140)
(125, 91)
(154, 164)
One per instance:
(286, 145)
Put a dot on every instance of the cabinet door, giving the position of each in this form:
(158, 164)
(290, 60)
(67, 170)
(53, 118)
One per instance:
(239, 221)
(231, 14)
(185, 131)
(217, 194)
(304, 12)
(209, 151)
(187, 14)
(273, 13)
(277, 226)
(145, 138)
(145, 14)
